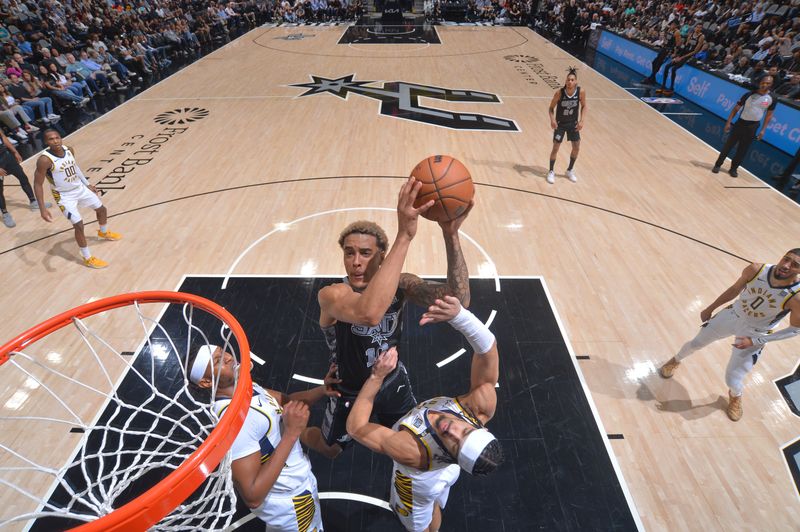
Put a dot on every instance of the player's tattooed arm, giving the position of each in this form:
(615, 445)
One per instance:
(425, 293)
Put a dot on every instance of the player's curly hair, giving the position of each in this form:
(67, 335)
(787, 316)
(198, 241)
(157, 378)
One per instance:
(489, 460)
(364, 227)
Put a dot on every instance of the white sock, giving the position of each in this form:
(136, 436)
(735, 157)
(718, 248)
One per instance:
(85, 252)
(103, 228)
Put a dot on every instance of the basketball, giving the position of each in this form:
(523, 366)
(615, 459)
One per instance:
(446, 181)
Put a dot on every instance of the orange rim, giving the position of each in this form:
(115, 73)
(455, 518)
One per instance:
(150, 507)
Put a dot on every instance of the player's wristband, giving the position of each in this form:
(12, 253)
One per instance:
(788, 332)
(478, 335)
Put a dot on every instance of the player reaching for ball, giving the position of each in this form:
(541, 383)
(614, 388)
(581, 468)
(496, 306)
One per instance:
(567, 113)
(362, 316)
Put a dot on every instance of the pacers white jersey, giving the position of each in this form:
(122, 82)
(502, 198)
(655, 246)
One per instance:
(261, 433)
(64, 174)
(416, 421)
(760, 304)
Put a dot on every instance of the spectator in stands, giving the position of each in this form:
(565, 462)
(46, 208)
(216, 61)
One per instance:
(28, 91)
(790, 88)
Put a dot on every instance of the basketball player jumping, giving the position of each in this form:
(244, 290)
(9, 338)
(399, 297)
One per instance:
(567, 113)
(440, 436)
(766, 295)
(71, 190)
(271, 472)
(362, 316)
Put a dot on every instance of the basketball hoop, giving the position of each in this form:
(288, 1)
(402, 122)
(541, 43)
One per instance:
(182, 441)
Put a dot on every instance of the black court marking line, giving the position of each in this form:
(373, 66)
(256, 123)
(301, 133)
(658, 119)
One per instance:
(127, 353)
(525, 41)
(309, 179)
(77, 430)
(616, 437)
(755, 187)
(582, 357)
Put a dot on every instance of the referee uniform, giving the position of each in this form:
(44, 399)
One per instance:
(754, 105)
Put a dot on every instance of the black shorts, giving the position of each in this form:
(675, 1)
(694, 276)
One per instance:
(573, 135)
(394, 400)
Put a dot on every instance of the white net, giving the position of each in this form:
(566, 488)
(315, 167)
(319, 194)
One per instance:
(86, 426)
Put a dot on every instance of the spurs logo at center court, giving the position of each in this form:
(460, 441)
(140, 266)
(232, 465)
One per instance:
(401, 100)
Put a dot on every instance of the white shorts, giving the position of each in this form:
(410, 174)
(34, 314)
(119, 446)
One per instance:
(292, 512)
(69, 202)
(414, 493)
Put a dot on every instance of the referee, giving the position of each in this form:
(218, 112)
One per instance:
(754, 105)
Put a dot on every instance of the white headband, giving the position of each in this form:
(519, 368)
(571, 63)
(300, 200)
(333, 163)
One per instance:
(201, 362)
(473, 446)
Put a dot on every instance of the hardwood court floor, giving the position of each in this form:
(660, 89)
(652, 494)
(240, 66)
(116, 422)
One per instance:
(631, 253)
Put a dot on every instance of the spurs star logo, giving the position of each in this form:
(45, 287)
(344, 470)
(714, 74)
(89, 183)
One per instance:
(401, 100)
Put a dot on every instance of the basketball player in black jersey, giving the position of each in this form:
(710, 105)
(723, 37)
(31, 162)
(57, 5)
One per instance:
(694, 43)
(362, 316)
(672, 41)
(567, 112)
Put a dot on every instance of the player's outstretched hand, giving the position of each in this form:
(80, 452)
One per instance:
(386, 363)
(46, 216)
(705, 315)
(331, 381)
(295, 417)
(442, 310)
(407, 214)
(451, 227)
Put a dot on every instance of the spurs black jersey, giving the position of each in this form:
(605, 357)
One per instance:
(669, 43)
(354, 348)
(690, 43)
(567, 108)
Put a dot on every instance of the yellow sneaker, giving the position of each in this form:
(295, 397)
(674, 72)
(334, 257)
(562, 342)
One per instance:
(735, 409)
(94, 262)
(669, 368)
(109, 235)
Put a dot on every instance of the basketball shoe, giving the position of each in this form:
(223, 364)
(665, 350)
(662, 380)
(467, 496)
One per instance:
(109, 235)
(551, 177)
(735, 409)
(571, 176)
(94, 262)
(668, 369)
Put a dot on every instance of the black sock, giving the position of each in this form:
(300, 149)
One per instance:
(571, 162)
(552, 164)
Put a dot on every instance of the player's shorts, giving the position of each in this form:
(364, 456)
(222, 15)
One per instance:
(69, 202)
(573, 135)
(292, 512)
(413, 493)
(393, 401)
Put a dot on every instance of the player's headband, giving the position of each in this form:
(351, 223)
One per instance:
(474, 444)
(201, 362)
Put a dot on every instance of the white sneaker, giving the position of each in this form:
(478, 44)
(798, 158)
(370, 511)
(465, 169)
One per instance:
(571, 175)
(551, 177)
(12, 140)
(53, 116)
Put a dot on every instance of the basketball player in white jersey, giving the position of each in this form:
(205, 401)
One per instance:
(440, 436)
(270, 471)
(766, 294)
(71, 190)
(567, 112)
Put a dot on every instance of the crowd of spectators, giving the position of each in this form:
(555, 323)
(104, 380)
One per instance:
(743, 40)
(61, 54)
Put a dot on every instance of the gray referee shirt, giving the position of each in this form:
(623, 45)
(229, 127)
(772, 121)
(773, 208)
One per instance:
(754, 105)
